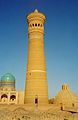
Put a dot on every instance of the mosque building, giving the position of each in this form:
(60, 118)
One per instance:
(8, 93)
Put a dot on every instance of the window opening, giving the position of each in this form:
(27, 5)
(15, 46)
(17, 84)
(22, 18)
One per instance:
(35, 24)
(38, 24)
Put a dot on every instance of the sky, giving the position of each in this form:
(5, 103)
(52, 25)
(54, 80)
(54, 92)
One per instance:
(61, 41)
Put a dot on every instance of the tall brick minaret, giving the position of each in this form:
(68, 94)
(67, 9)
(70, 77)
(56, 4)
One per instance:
(36, 89)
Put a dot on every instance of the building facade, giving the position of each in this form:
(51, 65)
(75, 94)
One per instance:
(8, 93)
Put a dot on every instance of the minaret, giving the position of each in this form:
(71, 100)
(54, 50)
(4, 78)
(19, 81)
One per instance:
(36, 89)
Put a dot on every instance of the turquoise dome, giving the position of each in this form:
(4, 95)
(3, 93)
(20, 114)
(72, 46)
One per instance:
(8, 77)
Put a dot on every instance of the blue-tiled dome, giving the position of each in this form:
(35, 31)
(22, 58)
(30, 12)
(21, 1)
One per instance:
(8, 77)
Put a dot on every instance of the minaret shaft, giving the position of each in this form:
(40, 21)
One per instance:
(36, 58)
(36, 91)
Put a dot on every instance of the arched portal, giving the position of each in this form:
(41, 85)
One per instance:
(36, 100)
(12, 98)
(4, 98)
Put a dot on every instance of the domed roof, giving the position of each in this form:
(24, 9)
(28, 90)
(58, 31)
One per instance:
(8, 77)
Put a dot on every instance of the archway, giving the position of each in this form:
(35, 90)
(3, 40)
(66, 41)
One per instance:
(36, 100)
(4, 98)
(12, 98)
